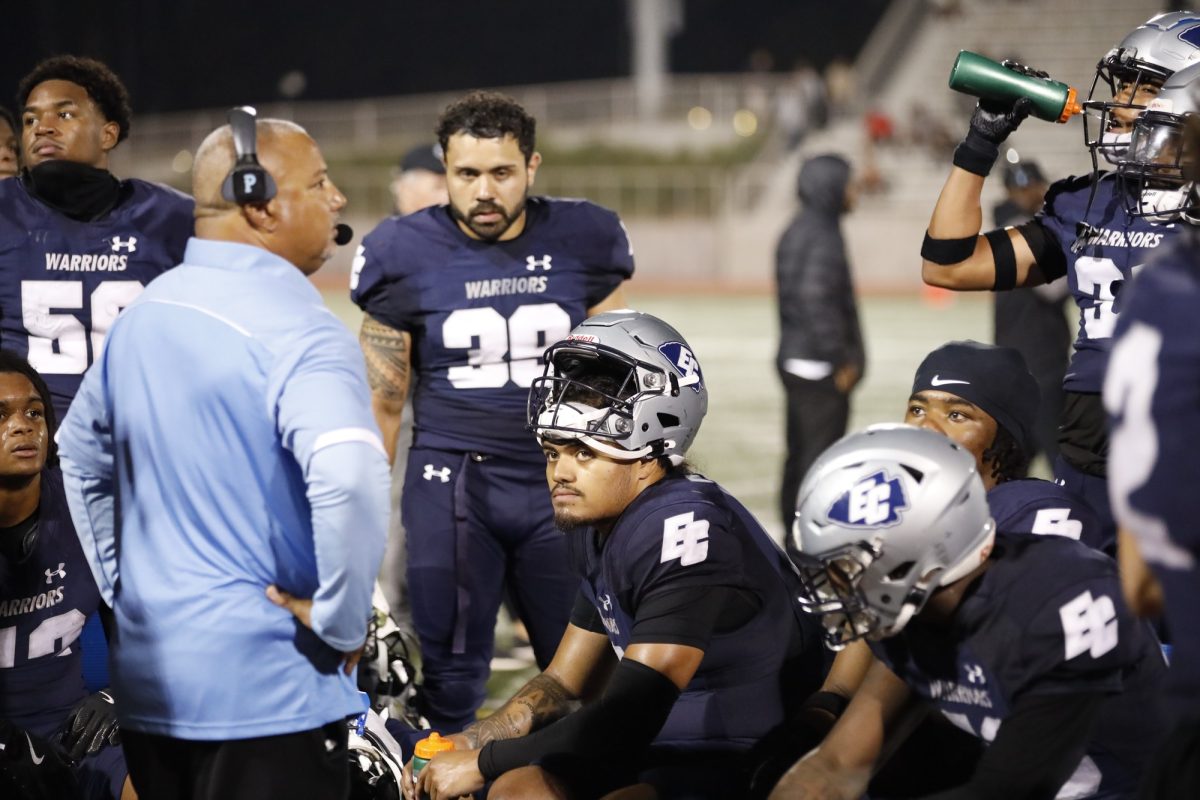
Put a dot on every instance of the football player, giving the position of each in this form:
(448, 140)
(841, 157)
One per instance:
(467, 296)
(1153, 398)
(1084, 231)
(1023, 641)
(8, 144)
(685, 638)
(77, 244)
(46, 593)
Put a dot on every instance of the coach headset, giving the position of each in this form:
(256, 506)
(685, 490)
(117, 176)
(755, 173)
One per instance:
(248, 182)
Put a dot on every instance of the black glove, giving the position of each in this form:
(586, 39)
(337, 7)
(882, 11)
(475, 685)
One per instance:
(91, 725)
(991, 124)
(32, 768)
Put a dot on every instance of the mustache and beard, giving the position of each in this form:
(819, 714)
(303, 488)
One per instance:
(489, 231)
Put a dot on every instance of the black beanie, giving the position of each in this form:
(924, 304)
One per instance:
(993, 378)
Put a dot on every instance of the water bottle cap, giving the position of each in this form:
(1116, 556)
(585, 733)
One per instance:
(431, 745)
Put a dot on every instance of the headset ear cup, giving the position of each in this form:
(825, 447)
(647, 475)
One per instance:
(248, 183)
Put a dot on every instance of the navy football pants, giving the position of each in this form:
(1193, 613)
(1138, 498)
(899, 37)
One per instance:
(476, 525)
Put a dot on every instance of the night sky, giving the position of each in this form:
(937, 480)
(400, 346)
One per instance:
(179, 54)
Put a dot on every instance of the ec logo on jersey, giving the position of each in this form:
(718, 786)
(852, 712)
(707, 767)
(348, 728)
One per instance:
(129, 245)
(685, 363)
(873, 502)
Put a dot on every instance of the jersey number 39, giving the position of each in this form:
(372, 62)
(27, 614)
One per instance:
(487, 337)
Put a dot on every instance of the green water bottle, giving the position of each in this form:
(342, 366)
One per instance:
(975, 75)
(426, 749)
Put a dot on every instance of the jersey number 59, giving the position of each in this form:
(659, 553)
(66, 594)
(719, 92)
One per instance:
(69, 331)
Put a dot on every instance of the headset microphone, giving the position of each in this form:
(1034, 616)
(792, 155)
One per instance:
(344, 234)
(247, 182)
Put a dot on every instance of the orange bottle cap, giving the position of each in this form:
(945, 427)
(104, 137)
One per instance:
(1072, 106)
(431, 745)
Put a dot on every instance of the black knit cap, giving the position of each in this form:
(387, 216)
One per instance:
(993, 378)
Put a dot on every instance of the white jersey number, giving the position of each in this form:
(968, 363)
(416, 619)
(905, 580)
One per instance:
(60, 630)
(1097, 276)
(1057, 522)
(46, 328)
(1129, 386)
(487, 337)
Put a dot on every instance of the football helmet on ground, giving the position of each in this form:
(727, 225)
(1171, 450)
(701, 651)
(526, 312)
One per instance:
(884, 518)
(624, 383)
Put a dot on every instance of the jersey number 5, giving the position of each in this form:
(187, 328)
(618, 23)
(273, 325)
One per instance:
(46, 328)
(487, 337)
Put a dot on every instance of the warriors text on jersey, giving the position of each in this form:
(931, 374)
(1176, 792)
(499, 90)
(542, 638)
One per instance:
(687, 532)
(65, 281)
(1046, 617)
(481, 313)
(44, 601)
(1153, 392)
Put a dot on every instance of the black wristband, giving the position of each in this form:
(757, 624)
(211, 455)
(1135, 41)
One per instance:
(947, 251)
(976, 154)
(831, 702)
(1004, 258)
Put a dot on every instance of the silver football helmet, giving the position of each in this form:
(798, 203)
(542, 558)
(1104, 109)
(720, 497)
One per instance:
(624, 383)
(1155, 50)
(1153, 167)
(884, 517)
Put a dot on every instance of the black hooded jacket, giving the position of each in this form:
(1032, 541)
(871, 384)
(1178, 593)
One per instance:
(818, 317)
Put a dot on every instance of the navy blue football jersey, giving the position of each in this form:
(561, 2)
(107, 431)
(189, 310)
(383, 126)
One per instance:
(481, 314)
(1100, 260)
(44, 601)
(1152, 392)
(1041, 507)
(1046, 617)
(687, 532)
(65, 281)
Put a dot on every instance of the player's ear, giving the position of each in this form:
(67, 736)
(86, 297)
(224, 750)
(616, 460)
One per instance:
(531, 168)
(110, 134)
(648, 469)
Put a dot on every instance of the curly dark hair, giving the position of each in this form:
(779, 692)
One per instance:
(11, 362)
(488, 115)
(100, 82)
(1008, 460)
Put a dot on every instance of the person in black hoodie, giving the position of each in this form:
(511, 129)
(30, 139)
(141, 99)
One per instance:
(821, 355)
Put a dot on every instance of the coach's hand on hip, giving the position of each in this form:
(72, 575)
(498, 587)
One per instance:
(302, 610)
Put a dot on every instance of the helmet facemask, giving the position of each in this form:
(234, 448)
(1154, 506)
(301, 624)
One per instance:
(1102, 127)
(591, 393)
(1152, 171)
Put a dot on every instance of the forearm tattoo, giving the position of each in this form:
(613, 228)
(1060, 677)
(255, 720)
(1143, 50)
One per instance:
(386, 352)
(540, 702)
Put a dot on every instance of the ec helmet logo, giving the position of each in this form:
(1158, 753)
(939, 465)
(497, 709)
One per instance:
(874, 502)
(685, 363)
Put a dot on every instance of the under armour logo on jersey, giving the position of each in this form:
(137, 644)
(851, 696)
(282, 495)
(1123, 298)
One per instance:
(129, 245)
(532, 263)
(873, 502)
(59, 571)
(1089, 625)
(442, 474)
(685, 363)
(974, 673)
(685, 538)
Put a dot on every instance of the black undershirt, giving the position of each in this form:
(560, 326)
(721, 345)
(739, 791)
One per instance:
(17, 542)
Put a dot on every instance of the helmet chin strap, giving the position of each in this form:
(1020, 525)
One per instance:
(1114, 146)
(1161, 205)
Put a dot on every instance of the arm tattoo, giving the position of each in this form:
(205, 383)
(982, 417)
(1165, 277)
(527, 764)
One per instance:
(540, 702)
(387, 356)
